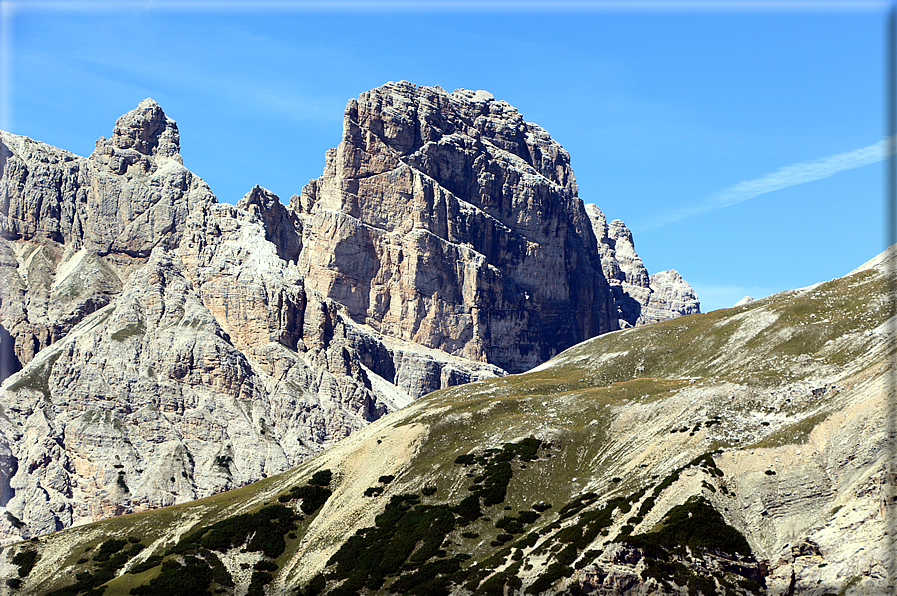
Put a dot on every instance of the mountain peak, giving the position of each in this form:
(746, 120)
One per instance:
(143, 131)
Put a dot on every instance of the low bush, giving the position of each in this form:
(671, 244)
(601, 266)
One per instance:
(695, 524)
(554, 572)
(265, 565)
(108, 548)
(321, 478)
(25, 560)
(149, 563)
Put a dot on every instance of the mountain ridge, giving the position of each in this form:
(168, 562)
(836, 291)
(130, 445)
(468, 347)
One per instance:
(153, 336)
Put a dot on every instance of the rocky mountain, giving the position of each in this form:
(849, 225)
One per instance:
(464, 224)
(744, 451)
(640, 298)
(159, 346)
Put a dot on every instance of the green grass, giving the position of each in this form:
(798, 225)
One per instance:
(129, 331)
(38, 378)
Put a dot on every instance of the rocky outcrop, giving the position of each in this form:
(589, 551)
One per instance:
(671, 296)
(100, 215)
(447, 220)
(640, 299)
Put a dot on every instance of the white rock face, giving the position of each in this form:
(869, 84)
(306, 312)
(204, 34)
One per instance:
(745, 300)
(640, 299)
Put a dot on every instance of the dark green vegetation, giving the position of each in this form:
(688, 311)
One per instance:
(191, 567)
(108, 559)
(695, 524)
(25, 560)
(265, 531)
(407, 551)
(262, 531)
(313, 495)
(186, 576)
(689, 529)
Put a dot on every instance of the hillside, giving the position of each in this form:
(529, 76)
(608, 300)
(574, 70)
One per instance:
(743, 451)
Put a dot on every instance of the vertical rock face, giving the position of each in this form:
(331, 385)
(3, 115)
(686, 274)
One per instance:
(640, 298)
(446, 220)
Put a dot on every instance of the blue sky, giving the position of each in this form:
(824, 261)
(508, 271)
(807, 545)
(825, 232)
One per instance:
(738, 140)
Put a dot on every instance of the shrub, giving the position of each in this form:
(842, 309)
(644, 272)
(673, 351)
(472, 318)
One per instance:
(495, 486)
(567, 555)
(527, 517)
(267, 527)
(193, 577)
(386, 479)
(373, 491)
(25, 561)
(469, 508)
(146, 565)
(108, 548)
(554, 572)
(321, 478)
(696, 524)
(265, 565)
(525, 449)
(313, 496)
(257, 584)
(316, 586)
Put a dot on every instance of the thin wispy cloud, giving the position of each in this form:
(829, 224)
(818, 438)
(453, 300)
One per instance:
(791, 175)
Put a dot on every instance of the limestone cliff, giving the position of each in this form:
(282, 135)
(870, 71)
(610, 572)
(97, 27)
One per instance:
(166, 336)
(447, 220)
(640, 298)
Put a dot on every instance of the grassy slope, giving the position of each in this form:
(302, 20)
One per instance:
(621, 412)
